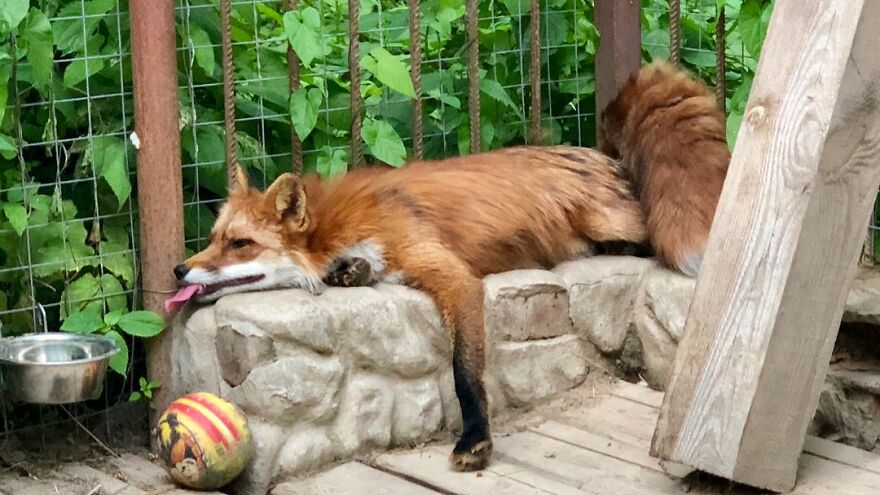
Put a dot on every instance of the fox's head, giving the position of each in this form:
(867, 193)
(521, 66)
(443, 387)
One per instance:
(258, 242)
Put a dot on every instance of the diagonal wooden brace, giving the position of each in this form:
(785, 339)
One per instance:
(783, 249)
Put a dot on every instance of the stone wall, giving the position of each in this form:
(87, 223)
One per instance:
(354, 370)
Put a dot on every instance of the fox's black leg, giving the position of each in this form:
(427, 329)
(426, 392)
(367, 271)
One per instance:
(459, 297)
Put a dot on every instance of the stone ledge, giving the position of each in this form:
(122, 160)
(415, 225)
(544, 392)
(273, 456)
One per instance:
(355, 370)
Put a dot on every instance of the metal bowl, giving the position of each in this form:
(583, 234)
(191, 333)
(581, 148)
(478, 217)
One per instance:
(55, 368)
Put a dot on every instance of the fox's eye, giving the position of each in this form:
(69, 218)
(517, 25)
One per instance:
(240, 243)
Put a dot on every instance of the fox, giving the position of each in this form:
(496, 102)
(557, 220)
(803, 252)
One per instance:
(439, 226)
(666, 128)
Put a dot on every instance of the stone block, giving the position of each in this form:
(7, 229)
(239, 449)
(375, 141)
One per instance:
(533, 371)
(602, 292)
(292, 389)
(526, 305)
(304, 451)
(241, 349)
(365, 413)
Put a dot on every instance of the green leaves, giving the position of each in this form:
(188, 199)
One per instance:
(72, 31)
(135, 323)
(145, 390)
(119, 362)
(91, 293)
(754, 18)
(384, 142)
(204, 52)
(8, 149)
(141, 323)
(390, 70)
(494, 89)
(332, 162)
(517, 7)
(304, 106)
(17, 216)
(38, 39)
(302, 28)
(11, 14)
(80, 69)
(116, 254)
(83, 322)
(107, 156)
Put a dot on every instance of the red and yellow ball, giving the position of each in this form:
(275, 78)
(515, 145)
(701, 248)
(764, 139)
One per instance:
(204, 441)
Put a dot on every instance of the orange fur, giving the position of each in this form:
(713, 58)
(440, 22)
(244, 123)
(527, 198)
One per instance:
(443, 226)
(667, 130)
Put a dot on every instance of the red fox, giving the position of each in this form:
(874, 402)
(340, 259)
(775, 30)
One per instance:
(438, 226)
(669, 134)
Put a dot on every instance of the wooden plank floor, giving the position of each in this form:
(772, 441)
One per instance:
(604, 451)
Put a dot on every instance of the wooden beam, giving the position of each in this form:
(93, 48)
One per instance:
(620, 48)
(160, 190)
(783, 249)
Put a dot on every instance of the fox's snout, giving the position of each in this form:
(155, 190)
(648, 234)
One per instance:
(180, 271)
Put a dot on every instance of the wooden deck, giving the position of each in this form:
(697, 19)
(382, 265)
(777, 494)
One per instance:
(603, 452)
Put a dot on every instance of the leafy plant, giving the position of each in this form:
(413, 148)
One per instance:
(114, 324)
(68, 229)
(145, 391)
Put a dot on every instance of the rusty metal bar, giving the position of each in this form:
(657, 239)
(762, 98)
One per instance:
(720, 65)
(675, 31)
(296, 149)
(354, 68)
(620, 51)
(228, 91)
(415, 50)
(160, 190)
(473, 13)
(535, 73)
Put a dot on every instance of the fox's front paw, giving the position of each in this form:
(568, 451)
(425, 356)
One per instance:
(472, 458)
(354, 272)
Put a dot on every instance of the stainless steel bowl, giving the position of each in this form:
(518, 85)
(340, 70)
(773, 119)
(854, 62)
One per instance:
(55, 368)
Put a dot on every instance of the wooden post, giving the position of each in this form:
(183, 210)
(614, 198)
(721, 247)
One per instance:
(620, 48)
(783, 249)
(160, 193)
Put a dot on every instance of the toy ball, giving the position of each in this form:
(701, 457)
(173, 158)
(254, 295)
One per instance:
(204, 441)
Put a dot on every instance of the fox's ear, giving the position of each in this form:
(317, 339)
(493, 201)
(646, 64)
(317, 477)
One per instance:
(241, 180)
(287, 197)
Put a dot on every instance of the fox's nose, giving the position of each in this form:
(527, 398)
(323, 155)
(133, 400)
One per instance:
(180, 271)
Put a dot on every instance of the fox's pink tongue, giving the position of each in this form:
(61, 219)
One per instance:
(173, 303)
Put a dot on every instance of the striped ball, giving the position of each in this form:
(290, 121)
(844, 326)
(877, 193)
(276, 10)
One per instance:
(204, 441)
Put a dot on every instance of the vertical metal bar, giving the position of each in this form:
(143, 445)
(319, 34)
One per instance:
(473, 13)
(228, 90)
(535, 73)
(296, 150)
(415, 50)
(160, 190)
(675, 31)
(720, 66)
(620, 51)
(354, 68)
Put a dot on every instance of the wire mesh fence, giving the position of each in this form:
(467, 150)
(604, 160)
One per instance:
(68, 233)
(69, 236)
(261, 31)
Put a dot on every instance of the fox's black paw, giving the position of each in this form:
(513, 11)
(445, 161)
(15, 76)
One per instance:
(471, 458)
(353, 272)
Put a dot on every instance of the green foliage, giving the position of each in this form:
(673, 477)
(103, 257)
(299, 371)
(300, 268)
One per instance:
(65, 234)
(145, 391)
(113, 324)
